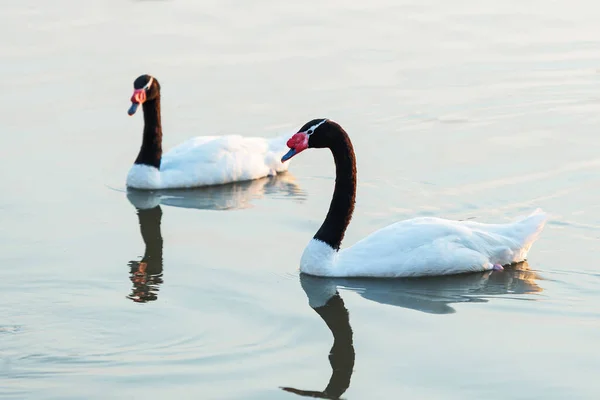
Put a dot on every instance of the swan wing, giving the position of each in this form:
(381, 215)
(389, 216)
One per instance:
(434, 246)
(213, 160)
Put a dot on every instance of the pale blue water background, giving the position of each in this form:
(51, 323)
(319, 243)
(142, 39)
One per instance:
(456, 109)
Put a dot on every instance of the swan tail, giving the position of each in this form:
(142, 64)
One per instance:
(527, 230)
(279, 143)
(532, 225)
(277, 148)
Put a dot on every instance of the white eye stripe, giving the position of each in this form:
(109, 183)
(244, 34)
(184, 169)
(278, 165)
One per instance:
(147, 86)
(312, 129)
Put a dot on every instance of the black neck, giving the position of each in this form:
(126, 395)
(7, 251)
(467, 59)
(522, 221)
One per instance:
(151, 150)
(342, 204)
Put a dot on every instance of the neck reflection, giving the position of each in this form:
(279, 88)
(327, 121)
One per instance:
(146, 274)
(327, 302)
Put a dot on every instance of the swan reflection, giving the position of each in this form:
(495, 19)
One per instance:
(429, 295)
(146, 275)
(237, 195)
(434, 295)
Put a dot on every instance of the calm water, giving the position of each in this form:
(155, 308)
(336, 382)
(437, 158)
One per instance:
(460, 109)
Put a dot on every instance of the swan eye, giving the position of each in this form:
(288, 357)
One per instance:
(310, 131)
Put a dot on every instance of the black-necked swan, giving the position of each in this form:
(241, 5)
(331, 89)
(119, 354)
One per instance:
(422, 246)
(200, 161)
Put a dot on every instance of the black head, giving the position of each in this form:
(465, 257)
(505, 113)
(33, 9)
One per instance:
(145, 88)
(318, 133)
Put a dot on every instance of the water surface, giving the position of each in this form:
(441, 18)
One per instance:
(459, 110)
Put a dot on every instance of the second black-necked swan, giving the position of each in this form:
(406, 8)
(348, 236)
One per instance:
(200, 161)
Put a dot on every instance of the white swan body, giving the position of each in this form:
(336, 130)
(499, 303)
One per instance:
(212, 160)
(425, 247)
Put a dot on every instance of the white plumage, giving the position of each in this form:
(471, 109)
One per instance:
(425, 247)
(212, 160)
